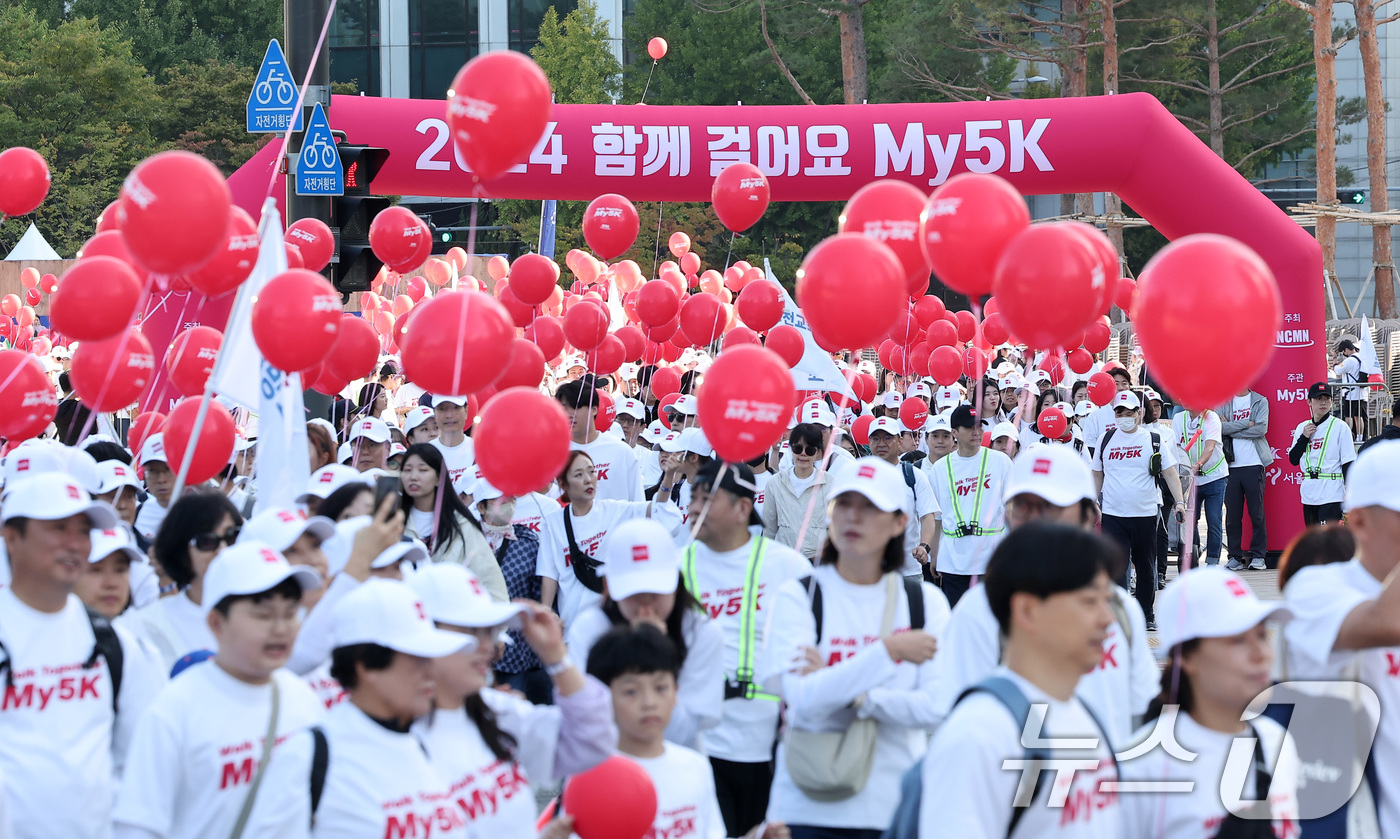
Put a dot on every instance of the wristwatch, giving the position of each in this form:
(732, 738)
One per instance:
(928, 549)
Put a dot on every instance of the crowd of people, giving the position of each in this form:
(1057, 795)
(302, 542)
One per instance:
(933, 631)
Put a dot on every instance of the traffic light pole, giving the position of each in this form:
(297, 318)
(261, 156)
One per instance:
(303, 20)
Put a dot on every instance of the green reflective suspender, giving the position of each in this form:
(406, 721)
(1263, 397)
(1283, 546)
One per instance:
(744, 673)
(1201, 441)
(1321, 455)
(976, 507)
(688, 570)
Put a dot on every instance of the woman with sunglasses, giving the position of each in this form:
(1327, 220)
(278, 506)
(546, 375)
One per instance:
(790, 494)
(198, 527)
(490, 746)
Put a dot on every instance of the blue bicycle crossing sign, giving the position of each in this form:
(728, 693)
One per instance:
(272, 104)
(318, 165)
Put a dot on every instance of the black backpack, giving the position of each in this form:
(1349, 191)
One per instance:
(912, 591)
(106, 645)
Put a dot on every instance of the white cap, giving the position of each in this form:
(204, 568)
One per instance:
(407, 549)
(816, 413)
(484, 491)
(373, 429)
(627, 372)
(1038, 376)
(1004, 429)
(342, 454)
(1211, 602)
(671, 443)
(889, 425)
(920, 390)
(250, 568)
(1065, 408)
(685, 404)
(1152, 396)
(281, 527)
(51, 496)
(632, 408)
(396, 449)
(416, 417)
(872, 477)
(1371, 481)
(330, 429)
(938, 422)
(112, 474)
(442, 399)
(390, 614)
(693, 440)
(1011, 381)
(37, 457)
(328, 479)
(572, 362)
(866, 366)
(453, 595)
(655, 433)
(891, 399)
(106, 542)
(1056, 473)
(639, 557)
(152, 449)
(1084, 408)
(1125, 399)
(948, 396)
(242, 444)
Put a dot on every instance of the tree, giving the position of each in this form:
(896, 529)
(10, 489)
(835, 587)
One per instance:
(1366, 26)
(168, 33)
(576, 57)
(202, 111)
(921, 54)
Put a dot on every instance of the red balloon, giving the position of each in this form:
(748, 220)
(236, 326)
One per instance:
(328, 382)
(739, 196)
(32, 296)
(917, 358)
(190, 359)
(899, 362)
(1097, 337)
(110, 243)
(48, 284)
(1195, 287)
(606, 413)
(145, 424)
(883, 351)
(941, 333)
(107, 219)
(1052, 423)
(860, 429)
(520, 313)
(664, 382)
(24, 181)
(1106, 281)
(586, 326)
(215, 444)
(905, 330)
(1044, 283)
(28, 401)
(111, 374)
(610, 225)
(355, 351)
(787, 342)
(850, 289)
(1101, 389)
(314, 239)
(657, 302)
(865, 387)
(745, 402)
(760, 305)
(656, 48)
(994, 329)
(548, 335)
(945, 365)
(526, 368)
(96, 300)
(615, 799)
(400, 239)
(231, 264)
(633, 342)
(296, 319)
(174, 212)
(1080, 361)
(967, 325)
(888, 212)
(739, 336)
(929, 310)
(702, 318)
(665, 331)
(913, 412)
(607, 357)
(416, 288)
(498, 108)
(294, 259)
(974, 363)
(1055, 367)
(533, 278)
(460, 342)
(967, 225)
(671, 352)
(1123, 294)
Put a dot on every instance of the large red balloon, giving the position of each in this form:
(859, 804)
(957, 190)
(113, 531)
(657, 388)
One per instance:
(967, 224)
(787, 342)
(1079, 360)
(355, 351)
(851, 289)
(1101, 389)
(533, 278)
(96, 299)
(657, 302)
(1200, 286)
(190, 359)
(739, 196)
(994, 329)
(296, 319)
(24, 181)
(888, 211)
(745, 402)
(145, 424)
(548, 335)
(739, 336)
(614, 800)
(459, 342)
(703, 319)
(917, 358)
(1097, 337)
(864, 386)
(1052, 423)
(215, 444)
(498, 109)
(111, 374)
(521, 314)
(929, 310)
(231, 264)
(945, 365)
(515, 414)
(400, 239)
(665, 331)
(1055, 367)
(1123, 294)
(913, 412)
(975, 363)
(1045, 286)
(610, 225)
(967, 325)
(633, 342)
(174, 212)
(586, 325)
(607, 357)
(315, 240)
(526, 368)
(607, 412)
(28, 402)
(860, 429)
(1106, 283)
(664, 382)
(760, 305)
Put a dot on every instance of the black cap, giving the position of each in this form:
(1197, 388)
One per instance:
(737, 480)
(962, 418)
(1319, 389)
(1346, 344)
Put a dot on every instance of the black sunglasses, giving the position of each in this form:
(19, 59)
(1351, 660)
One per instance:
(208, 542)
(806, 451)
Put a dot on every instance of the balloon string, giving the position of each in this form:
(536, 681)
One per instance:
(446, 478)
(656, 253)
(650, 73)
(730, 253)
(826, 456)
(161, 368)
(301, 98)
(116, 360)
(705, 510)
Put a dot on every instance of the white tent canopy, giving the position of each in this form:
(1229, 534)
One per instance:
(32, 247)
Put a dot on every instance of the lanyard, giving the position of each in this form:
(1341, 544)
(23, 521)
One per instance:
(1197, 438)
(747, 623)
(1321, 458)
(953, 490)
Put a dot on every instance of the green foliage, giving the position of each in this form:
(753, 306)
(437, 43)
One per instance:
(203, 112)
(168, 33)
(576, 57)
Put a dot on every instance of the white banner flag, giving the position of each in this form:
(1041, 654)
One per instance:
(239, 356)
(816, 370)
(1370, 363)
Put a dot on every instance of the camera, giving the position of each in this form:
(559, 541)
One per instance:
(1313, 473)
(967, 529)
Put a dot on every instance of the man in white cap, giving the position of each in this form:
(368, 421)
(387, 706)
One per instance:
(613, 460)
(889, 403)
(1096, 424)
(1344, 624)
(160, 482)
(1324, 450)
(967, 487)
(66, 722)
(631, 420)
(1126, 469)
(921, 504)
(458, 450)
(684, 454)
(369, 443)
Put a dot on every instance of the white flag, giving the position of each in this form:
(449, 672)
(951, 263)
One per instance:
(1370, 363)
(816, 370)
(239, 356)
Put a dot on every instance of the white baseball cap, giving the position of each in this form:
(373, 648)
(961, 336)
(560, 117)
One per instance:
(948, 396)
(37, 457)
(891, 399)
(639, 557)
(1152, 396)
(1011, 381)
(1126, 399)
(572, 362)
(444, 399)
(1371, 481)
(1211, 602)
(330, 429)
(112, 474)
(51, 496)
(153, 449)
(1004, 429)
(920, 390)
(655, 433)
(1038, 376)
(328, 479)
(938, 422)
(396, 449)
(872, 477)
(108, 541)
(889, 425)
(632, 408)
(1084, 408)
(407, 549)
(686, 405)
(390, 614)
(485, 491)
(339, 544)
(453, 595)
(694, 440)
(671, 443)
(1056, 473)
(416, 417)
(281, 527)
(373, 429)
(816, 413)
(250, 568)
(1065, 408)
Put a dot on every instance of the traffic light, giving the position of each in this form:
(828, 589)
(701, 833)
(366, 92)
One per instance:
(1351, 196)
(354, 265)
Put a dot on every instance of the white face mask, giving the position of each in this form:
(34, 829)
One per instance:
(1127, 425)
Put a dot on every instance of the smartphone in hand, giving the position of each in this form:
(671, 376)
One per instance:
(386, 485)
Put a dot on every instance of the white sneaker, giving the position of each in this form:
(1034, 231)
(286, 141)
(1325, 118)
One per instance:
(1258, 564)
(1235, 565)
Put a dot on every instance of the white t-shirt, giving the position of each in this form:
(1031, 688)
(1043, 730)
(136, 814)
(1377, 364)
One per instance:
(1350, 371)
(531, 509)
(1199, 813)
(648, 465)
(149, 518)
(328, 691)
(1184, 427)
(686, 805)
(1118, 690)
(956, 488)
(746, 732)
(619, 478)
(897, 695)
(760, 480)
(799, 485)
(197, 749)
(421, 521)
(1330, 448)
(1129, 490)
(555, 561)
(459, 459)
(1245, 452)
(967, 794)
(919, 501)
(62, 748)
(175, 626)
(1095, 424)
